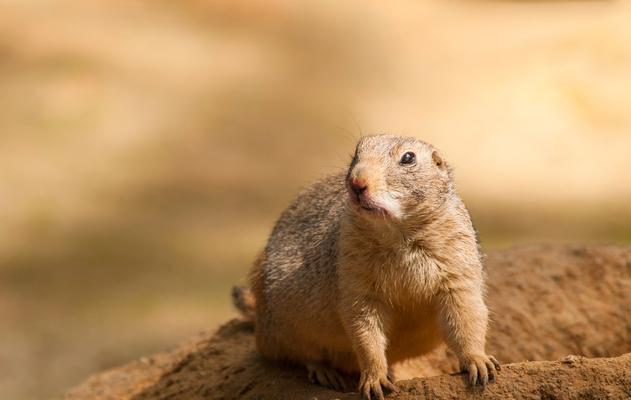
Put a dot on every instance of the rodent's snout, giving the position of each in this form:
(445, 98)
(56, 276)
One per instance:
(357, 185)
(367, 192)
(359, 188)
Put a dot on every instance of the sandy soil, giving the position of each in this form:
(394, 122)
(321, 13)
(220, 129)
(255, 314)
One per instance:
(567, 304)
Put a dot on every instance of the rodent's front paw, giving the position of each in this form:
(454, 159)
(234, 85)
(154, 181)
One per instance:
(481, 367)
(371, 384)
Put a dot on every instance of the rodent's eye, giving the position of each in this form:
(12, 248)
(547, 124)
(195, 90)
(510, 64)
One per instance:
(408, 158)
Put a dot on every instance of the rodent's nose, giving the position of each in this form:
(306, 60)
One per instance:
(358, 186)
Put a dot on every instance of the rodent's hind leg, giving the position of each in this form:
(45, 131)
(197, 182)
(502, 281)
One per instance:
(326, 376)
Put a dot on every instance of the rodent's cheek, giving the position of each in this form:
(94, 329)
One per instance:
(412, 202)
(417, 194)
(391, 204)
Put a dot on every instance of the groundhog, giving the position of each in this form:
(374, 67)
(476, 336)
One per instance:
(372, 266)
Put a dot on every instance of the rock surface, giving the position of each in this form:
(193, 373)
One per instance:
(547, 302)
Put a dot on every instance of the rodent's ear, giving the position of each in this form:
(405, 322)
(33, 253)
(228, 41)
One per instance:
(438, 160)
(442, 164)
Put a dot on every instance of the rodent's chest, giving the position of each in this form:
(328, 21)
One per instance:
(399, 278)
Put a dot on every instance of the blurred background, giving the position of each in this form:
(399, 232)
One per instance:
(146, 147)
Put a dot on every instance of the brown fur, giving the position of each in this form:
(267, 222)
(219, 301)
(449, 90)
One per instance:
(340, 288)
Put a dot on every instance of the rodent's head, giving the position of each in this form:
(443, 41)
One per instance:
(398, 178)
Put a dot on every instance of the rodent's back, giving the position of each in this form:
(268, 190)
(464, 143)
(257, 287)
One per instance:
(296, 274)
(309, 226)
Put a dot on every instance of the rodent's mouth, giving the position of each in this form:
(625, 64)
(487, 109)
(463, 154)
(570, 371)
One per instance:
(365, 204)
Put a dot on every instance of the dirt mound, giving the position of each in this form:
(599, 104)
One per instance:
(547, 302)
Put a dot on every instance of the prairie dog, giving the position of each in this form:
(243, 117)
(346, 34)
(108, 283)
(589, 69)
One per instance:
(370, 267)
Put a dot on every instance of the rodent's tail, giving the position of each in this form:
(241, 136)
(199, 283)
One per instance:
(243, 299)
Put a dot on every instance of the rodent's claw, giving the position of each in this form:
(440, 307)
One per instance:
(327, 377)
(336, 380)
(496, 363)
(481, 368)
(372, 386)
